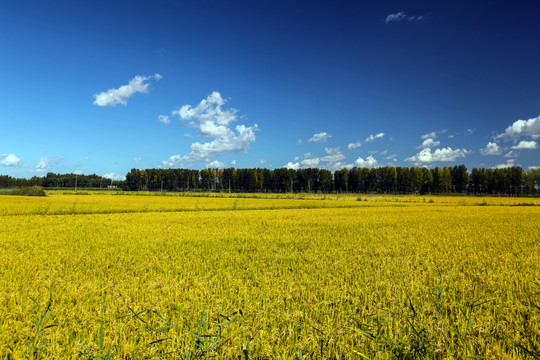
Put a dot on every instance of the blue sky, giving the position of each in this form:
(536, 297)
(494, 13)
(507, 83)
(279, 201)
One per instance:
(326, 84)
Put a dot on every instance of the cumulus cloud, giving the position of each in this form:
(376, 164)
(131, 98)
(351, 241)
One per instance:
(216, 164)
(511, 154)
(519, 128)
(304, 164)
(332, 160)
(354, 145)
(320, 137)
(369, 162)
(509, 163)
(46, 163)
(444, 155)
(333, 155)
(372, 138)
(213, 122)
(10, 160)
(525, 145)
(433, 134)
(114, 176)
(137, 159)
(401, 16)
(112, 97)
(42, 165)
(491, 149)
(164, 119)
(534, 168)
(429, 143)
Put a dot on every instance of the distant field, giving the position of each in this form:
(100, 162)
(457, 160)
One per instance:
(269, 276)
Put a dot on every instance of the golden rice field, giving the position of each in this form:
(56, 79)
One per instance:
(101, 276)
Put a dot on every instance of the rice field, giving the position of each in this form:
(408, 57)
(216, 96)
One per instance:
(98, 276)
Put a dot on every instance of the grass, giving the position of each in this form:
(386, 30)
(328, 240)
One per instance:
(26, 191)
(387, 279)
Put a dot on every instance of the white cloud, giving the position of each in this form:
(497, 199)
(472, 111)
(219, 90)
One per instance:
(433, 134)
(491, 149)
(333, 155)
(10, 160)
(384, 152)
(338, 166)
(44, 163)
(307, 163)
(450, 136)
(511, 154)
(519, 128)
(429, 143)
(261, 162)
(320, 137)
(114, 176)
(525, 145)
(213, 122)
(164, 119)
(216, 164)
(372, 138)
(299, 141)
(112, 97)
(445, 154)
(400, 16)
(78, 172)
(354, 145)
(332, 160)
(330, 151)
(137, 159)
(304, 164)
(390, 157)
(233, 162)
(509, 163)
(291, 165)
(369, 162)
(534, 167)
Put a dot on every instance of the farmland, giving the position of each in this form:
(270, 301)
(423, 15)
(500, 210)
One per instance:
(97, 275)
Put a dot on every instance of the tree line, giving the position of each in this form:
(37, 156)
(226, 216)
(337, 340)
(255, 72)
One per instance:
(383, 180)
(52, 180)
(386, 180)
